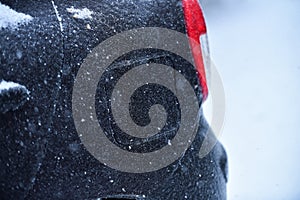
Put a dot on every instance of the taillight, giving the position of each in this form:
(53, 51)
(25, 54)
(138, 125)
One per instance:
(196, 30)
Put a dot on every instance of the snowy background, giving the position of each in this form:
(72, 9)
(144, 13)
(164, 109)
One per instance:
(256, 48)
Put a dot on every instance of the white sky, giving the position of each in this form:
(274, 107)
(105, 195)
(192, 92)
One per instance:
(256, 47)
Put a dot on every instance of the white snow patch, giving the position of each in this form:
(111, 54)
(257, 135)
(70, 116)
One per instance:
(6, 85)
(9, 18)
(80, 13)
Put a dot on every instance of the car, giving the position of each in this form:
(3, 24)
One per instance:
(60, 130)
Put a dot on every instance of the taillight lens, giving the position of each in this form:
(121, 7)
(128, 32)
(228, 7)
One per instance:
(196, 30)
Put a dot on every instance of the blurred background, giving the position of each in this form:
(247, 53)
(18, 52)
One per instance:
(256, 47)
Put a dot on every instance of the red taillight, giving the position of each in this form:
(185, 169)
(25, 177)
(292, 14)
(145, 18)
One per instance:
(195, 25)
